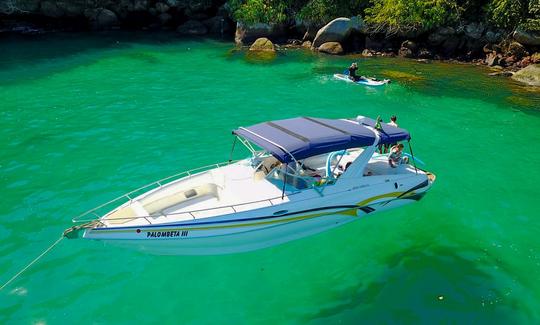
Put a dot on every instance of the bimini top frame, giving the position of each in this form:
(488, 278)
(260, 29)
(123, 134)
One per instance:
(301, 137)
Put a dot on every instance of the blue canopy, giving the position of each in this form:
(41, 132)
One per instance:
(304, 137)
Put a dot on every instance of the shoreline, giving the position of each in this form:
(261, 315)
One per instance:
(288, 44)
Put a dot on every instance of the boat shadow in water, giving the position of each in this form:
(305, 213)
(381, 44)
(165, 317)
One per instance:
(431, 284)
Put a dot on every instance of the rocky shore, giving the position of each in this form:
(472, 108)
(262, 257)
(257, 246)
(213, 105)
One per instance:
(188, 17)
(505, 51)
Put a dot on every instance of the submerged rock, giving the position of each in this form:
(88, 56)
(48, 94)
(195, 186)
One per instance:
(192, 27)
(529, 75)
(262, 44)
(400, 75)
(331, 48)
(338, 30)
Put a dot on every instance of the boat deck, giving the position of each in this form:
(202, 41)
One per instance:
(199, 196)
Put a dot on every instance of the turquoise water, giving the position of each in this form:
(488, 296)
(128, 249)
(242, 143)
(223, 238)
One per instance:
(85, 118)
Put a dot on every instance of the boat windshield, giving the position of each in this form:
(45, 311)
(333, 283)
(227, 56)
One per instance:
(291, 180)
(307, 173)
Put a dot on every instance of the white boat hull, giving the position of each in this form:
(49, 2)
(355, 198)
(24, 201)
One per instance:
(242, 238)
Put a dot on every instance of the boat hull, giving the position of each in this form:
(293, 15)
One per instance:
(238, 237)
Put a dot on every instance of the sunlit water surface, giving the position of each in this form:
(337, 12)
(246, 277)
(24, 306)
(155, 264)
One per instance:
(85, 118)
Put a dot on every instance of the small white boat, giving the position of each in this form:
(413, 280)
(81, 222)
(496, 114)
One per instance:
(363, 80)
(305, 175)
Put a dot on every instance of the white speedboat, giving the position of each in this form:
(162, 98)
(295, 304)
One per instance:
(305, 175)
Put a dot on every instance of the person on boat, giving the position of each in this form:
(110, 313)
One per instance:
(395, 158)
(392, 122)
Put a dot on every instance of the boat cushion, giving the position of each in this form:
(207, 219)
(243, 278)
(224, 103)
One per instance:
(156, 206)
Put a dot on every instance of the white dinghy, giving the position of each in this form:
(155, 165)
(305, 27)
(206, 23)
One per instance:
(309, 175)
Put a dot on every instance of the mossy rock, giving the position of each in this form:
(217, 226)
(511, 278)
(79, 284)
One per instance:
(331, 48)
(529, 75)
(262, 44)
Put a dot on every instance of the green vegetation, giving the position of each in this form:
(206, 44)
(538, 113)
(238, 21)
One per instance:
(322, 11)
(259, 11)
(402, 16)
(394, 16)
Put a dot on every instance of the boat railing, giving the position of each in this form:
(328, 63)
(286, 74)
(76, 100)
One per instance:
(128, 197)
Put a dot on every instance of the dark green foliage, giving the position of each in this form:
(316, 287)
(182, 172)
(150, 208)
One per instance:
(259, 11)
(403, 16)
(394, 16)
(532, 22)
(510, 14)
(507, 13)
(322, 11)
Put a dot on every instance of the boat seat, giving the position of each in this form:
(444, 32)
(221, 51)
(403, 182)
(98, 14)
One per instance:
(156, 206)
(128, 213)
(122, 215)
(268, 164)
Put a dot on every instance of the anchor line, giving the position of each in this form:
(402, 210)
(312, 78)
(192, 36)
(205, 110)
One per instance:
(32, 263)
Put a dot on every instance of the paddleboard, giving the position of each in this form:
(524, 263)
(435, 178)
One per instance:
(366, 81)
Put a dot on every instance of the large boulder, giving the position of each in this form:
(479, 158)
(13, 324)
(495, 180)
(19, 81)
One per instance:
(338, 30)
(451, 44)
(474, 30)
(440, 35)
(195, 5)
(14, 6)
(72, 8)
(171, 3)
(162, 7)
(51, 9)
(165, 18)
(192, 27)
(137, 5)
(248, 33)
(262, 44)
(101, 18)
(331, 48)
(527, 38)
(407, 49)
(529, 75)
(217, 25)
(493, 37)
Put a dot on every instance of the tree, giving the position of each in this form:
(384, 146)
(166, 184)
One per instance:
(405, 16)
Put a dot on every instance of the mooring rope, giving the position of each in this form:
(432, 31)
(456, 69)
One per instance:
(31, 263)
